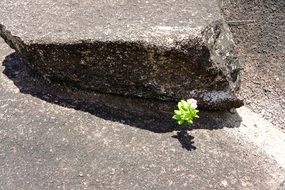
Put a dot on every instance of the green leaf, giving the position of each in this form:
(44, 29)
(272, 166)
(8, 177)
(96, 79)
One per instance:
(185, 105)
(180, 106)
(190, 122)
(185, 112)
(177, 117)
(178, 112)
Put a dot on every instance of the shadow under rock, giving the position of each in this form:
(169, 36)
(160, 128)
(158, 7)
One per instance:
(155, 116)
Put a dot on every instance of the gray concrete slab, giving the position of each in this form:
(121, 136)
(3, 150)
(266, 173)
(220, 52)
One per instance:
(164, 50)
(158, 22)
(44, 145)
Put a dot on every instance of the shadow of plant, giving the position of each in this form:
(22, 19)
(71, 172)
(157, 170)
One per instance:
(185, 140)
(152, 115)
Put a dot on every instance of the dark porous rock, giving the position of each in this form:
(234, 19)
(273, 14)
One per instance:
(157, 49)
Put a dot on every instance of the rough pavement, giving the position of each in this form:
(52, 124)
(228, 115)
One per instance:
(47, 146)
(258, 29)
(164, 49)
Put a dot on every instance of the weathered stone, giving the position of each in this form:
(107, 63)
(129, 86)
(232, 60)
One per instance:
(164, 50)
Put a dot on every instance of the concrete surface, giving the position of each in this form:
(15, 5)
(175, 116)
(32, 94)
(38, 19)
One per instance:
(164, 50)
(258, 29)
(47, 146)
(158, 22)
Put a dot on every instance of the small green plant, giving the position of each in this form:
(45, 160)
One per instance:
(187, 111)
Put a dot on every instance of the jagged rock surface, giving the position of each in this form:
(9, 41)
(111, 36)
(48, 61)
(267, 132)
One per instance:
(164, 50)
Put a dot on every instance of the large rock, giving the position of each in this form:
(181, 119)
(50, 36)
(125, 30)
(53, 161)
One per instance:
(159, 49)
